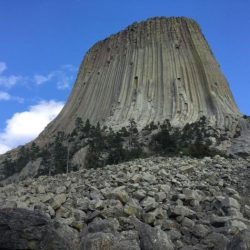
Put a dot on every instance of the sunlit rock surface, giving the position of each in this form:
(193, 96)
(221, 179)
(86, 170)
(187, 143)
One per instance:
(154, 70)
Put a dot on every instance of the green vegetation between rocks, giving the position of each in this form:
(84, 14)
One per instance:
(105, 146)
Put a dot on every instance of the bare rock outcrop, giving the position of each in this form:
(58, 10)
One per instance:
(158, 69)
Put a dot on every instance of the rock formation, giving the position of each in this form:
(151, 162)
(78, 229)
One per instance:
(154, 70)
(158, 70)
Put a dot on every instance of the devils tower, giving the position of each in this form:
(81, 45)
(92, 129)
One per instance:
(161, 69)
(154, 70)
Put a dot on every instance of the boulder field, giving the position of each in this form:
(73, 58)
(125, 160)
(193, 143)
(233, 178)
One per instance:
(153, 203)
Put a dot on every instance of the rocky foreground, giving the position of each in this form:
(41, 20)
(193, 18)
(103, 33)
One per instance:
(154, 203)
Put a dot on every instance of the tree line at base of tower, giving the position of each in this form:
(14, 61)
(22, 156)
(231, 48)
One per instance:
(107, 147)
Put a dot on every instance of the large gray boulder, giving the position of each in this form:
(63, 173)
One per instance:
(103, 235)
(99, 235)
(153, 238)
(25, 229)
(240, 241)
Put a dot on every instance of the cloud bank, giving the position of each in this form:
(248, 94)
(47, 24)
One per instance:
(24, 126)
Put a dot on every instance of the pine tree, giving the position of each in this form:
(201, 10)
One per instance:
(133, 133)
(9, 166)
(87, 127)
(152, 126)
(23, 158)
(59, 154)
(78, 124)
(34, 151)
(165, 140)
(115, 148)
(47, 162)
(124, 132)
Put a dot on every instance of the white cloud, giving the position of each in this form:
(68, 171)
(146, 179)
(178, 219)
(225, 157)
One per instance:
(17, 99)
(9, 80)
(3, 148)
(4, 96)
(64, 81)
(63, 77)
(24, 126)
(69, 67)
(40, 79)
(3, 67)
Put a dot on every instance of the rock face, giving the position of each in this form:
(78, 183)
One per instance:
(154, 70)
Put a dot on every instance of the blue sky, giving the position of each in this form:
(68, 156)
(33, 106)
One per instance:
(43, 43)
